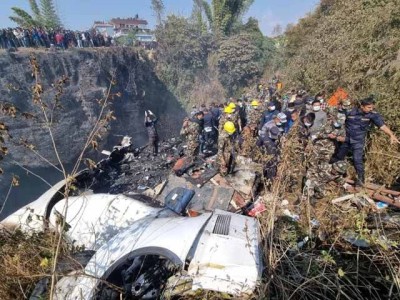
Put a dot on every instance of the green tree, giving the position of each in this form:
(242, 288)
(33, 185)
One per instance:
(158, 7)
(238, 60)
(198, 15)
(44, 15)
(222, 15)
(181, 53)
(35, 10)
(22, 18)
(128, 39)
(50, 18)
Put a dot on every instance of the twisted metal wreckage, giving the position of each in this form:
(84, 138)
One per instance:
(147, 231)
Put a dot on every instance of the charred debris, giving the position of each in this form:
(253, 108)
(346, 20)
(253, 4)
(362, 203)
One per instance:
(138, 173)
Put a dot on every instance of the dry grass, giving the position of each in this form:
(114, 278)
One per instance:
(326, 267)
(24, 260)
(382, 160)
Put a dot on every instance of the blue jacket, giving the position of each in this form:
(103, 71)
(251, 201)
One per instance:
(289, 125)
(268, 116)
(358, 124)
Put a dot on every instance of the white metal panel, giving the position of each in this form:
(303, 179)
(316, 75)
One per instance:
(228, 263)
(173, 234)
(27, 216)
(96, 218)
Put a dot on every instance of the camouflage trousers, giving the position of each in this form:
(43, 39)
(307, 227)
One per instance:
(192, 149)
(316, 179)
(225, 163)
(314, 189)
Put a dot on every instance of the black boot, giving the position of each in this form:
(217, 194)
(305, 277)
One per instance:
(360, 181)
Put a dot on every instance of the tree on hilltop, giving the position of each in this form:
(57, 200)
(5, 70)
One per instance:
(223, 15)
(158, 7)
(50, 18)
(44, 15)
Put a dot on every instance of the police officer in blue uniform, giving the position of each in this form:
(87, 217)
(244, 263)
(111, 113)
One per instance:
(358, 123)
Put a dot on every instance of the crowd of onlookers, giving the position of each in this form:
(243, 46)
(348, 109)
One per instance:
(14, 38)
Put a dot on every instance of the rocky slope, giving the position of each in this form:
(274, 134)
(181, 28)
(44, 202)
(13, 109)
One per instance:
(89, 77)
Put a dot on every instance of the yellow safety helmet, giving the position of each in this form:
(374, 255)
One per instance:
(232, 105)
(229, 127)
(228, 110)
(254, 103)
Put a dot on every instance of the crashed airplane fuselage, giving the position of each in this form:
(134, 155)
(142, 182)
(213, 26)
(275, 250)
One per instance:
(143, 250)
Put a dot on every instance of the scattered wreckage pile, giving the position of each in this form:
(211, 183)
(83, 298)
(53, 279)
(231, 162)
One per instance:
(133, 171)
(147, 231)
(167, 225)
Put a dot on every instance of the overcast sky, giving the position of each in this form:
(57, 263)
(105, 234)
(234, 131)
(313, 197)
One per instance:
(80, 14)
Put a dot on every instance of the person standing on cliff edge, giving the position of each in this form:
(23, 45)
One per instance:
(150, 121)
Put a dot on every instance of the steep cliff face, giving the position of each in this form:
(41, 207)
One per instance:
(89, 77)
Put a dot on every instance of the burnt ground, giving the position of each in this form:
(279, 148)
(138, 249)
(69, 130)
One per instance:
(135, 171)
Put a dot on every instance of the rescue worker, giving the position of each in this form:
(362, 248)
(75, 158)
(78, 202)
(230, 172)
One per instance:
(321, 117)
(249, 133)
(242, 113)
(194, 111)
(191, 129)
(277, 101)
(344, 106)
(358, 123)
(307, 122)
(269, 114)
(235, 116)
(309, 106)
(254, 116)
(209, 134)
(300, 104)
(290, 108)
(279, 121)
(322, 147)
(216, 111)
(150, 121)
(227, 115)
(316, 182)
(228, 148)
(269, 148)
(292, 119)
(339, 112)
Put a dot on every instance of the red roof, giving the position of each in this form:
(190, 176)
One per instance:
(101, 23)
(128, 21)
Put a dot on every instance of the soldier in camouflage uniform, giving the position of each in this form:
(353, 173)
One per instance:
(316, 181)
(228, 147)
(339, 112)
(253, 116)
(192, 129)
(249, 133)
(235, 116)
(324, 144)
(321, 148)
(228, 115)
